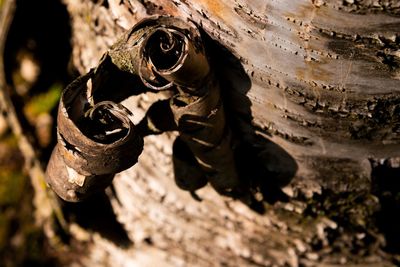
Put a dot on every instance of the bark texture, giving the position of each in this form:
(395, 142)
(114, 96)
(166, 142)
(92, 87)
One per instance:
(314, 88)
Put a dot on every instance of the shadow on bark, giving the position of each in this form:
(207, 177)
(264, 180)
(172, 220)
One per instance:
(96, 214)
(386, 186)
(264, 167)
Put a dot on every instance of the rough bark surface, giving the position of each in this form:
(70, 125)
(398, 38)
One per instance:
(315, 85)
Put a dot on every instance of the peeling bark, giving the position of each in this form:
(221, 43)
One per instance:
(312, 90)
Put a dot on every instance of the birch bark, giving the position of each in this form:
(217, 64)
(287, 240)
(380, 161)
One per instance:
(315, 86)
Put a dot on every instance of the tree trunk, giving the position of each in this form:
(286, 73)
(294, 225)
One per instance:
(315, 87)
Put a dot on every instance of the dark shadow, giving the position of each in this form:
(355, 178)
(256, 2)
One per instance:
(111, 83)
(264, 167)
(386, 186)
(96, 214)
(41, 30)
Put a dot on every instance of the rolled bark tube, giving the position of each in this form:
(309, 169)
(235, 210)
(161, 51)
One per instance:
(201, 124)
(173, 56)
(163, 51)
(173, 51)
(219, 165)
(95, 141)
(200, 106)
(68, 183)
(117, 150)
(203, 132)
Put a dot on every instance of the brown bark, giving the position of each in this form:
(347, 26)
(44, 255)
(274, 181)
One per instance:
(313, 89)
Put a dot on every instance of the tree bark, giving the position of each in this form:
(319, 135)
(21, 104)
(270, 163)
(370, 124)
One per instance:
(315, 87)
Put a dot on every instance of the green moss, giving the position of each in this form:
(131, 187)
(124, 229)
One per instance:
(43, 103)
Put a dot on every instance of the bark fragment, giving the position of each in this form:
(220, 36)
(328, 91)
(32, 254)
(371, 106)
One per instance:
(96, 138)
(95, 141)
(175, 56)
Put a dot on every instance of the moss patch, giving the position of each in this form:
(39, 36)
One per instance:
(44, 102)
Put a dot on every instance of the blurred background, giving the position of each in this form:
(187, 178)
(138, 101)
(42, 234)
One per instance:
(36, 65)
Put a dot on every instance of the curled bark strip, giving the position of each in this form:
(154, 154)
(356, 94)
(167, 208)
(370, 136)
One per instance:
(210, 141)
(103, 133)
(96, 138)
(199, 114)
(95, 141)
(219, 165)
(164, 51)
(201, 120)
(68, 183)
(170, 54)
